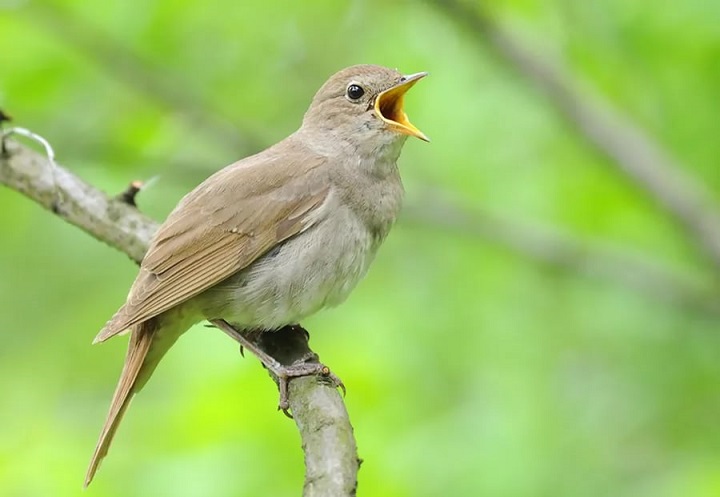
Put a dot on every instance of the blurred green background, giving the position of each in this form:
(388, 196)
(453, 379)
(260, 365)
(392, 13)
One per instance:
(482, 356)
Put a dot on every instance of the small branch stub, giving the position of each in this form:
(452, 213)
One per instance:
(128, 196)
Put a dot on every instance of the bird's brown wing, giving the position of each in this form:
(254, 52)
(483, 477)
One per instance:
(220, 228)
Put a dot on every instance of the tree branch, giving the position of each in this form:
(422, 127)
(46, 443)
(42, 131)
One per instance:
(327, 437)
(630, 149)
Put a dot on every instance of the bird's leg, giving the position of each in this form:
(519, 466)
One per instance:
(285, 353)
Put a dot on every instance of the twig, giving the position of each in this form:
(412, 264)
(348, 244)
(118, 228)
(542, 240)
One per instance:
(632, 151)
(113, 222)
(130, 193)
(324, 425)
(49, 152)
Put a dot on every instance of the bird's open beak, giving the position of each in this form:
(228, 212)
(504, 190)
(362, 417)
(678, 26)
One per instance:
(389, 107)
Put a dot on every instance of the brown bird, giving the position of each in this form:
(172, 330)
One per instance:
(274, 237)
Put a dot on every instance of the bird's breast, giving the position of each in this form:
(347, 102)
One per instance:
(375, 196)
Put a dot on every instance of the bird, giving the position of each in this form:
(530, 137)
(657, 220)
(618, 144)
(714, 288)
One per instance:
(273, 237)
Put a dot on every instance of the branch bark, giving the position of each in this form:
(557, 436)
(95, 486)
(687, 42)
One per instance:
(630, 149)
(331, 459)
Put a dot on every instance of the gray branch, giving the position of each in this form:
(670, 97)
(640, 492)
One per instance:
(327, 437)
(630, 149)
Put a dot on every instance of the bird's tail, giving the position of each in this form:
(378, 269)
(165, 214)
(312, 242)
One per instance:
(144, 352)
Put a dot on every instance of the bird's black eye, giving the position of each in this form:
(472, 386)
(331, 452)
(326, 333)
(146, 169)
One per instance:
(354, 92)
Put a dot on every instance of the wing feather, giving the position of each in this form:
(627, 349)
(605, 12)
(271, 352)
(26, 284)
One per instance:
(186, 258)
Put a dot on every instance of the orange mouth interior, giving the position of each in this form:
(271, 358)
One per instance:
(389, 106)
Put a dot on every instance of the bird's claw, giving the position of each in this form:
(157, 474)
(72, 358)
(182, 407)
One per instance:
(286, 373)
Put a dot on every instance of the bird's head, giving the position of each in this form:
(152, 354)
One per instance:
(362, 104)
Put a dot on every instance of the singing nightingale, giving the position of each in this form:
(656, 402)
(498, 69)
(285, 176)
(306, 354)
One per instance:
(274, 237)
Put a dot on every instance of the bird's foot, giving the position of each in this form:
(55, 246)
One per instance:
(291, 348)
(284, 374)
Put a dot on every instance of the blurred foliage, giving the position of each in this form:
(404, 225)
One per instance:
(471, 370)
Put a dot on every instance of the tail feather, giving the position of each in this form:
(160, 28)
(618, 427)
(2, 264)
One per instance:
(138, 348)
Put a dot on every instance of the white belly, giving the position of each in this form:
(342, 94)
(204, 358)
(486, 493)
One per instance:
(317, 268)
